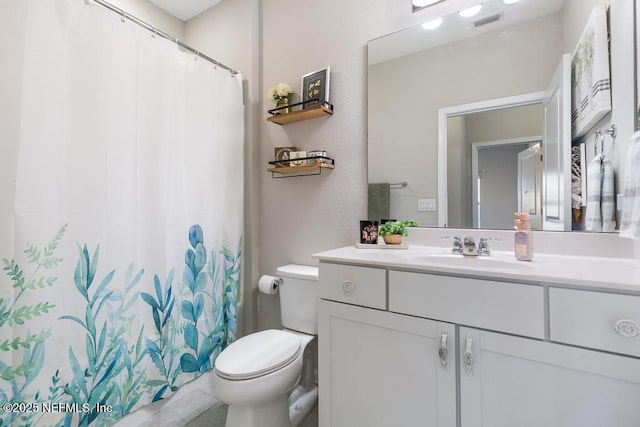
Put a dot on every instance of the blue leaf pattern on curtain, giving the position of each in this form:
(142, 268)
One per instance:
(113, 379)
(138, 146)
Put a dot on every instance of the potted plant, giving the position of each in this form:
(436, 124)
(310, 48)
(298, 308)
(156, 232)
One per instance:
(393, 231)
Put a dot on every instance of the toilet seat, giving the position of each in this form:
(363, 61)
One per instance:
(258, 354)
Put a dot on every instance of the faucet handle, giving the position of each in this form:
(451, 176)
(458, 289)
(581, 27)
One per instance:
(457, 243)
(483, 245)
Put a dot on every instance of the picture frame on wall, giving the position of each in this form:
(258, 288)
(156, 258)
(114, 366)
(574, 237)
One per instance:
(590, 78)
(315, 87)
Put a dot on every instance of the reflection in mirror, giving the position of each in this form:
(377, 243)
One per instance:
(410, 81)
(493, 167)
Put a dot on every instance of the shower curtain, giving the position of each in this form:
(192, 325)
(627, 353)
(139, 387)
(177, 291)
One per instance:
(121, 212)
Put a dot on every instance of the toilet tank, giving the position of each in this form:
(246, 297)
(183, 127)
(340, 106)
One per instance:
(298, 298)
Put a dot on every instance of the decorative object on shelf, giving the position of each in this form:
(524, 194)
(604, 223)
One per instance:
(283, 104)
(393, 231)
(315, 88)
(281, 94)
(317, 157)
(283, 153)
(369, 232)
(590, 83)
(298, 158)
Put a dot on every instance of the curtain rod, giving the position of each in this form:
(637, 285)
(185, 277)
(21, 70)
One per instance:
(156, 31)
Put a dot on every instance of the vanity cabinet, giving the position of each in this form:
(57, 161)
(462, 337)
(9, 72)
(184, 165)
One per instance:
(380, 369)
(514, 381)
(525, 355)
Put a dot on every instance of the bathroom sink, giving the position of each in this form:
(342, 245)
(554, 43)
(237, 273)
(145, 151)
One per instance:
(477, 262)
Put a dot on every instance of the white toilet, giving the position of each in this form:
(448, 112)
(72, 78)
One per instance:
(267, 378)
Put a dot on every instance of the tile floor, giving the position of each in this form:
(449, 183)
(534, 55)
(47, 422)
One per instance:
(192, 406)
(215, 417)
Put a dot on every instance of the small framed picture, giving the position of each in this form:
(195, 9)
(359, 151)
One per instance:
(315, 88)
(369, 232)
(283, 153)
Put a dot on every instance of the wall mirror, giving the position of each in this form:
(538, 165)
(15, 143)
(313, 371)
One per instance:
(483, 80)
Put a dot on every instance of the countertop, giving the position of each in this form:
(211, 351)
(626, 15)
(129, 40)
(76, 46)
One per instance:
(597, 273)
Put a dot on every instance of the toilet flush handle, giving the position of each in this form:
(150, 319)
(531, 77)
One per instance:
(348, 286)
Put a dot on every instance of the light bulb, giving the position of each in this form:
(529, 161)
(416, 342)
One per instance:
(433, 24)
(423, 3)
(472, 11)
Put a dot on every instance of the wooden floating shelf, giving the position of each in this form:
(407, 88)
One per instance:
(304, 114)
(287, 170)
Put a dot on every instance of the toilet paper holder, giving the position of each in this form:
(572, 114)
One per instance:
(269, 284)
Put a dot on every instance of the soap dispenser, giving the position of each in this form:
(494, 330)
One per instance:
(523, 239)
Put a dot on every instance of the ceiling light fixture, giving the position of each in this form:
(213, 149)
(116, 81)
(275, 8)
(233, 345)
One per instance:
(421, 4)
(510, 1)
(433, 24)
(472, 11)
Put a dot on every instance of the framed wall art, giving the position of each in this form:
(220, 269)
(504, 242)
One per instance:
(590, 79)
(315, 88)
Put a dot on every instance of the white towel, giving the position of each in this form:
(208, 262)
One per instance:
(600, 198)
(607, 197)
(630, 227)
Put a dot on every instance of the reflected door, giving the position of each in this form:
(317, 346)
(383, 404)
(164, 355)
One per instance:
(496, 180)
(556, 145)
(530, 183)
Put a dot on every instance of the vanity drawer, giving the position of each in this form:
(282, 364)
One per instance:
(499, 306)
(354, 285)
(589, 319)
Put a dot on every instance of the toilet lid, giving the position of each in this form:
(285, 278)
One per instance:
(258, 354)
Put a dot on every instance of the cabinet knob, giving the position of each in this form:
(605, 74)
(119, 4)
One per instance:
(348, 286)
(627, 328)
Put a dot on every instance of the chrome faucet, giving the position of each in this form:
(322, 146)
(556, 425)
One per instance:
(457, 244)
(470, 247)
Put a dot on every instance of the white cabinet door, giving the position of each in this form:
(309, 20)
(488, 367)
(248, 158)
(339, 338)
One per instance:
(508, 381)
(383, 369)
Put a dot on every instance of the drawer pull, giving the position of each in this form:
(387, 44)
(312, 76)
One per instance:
(348, 286)
(468, 356)
(627, 328)
(443, 352)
